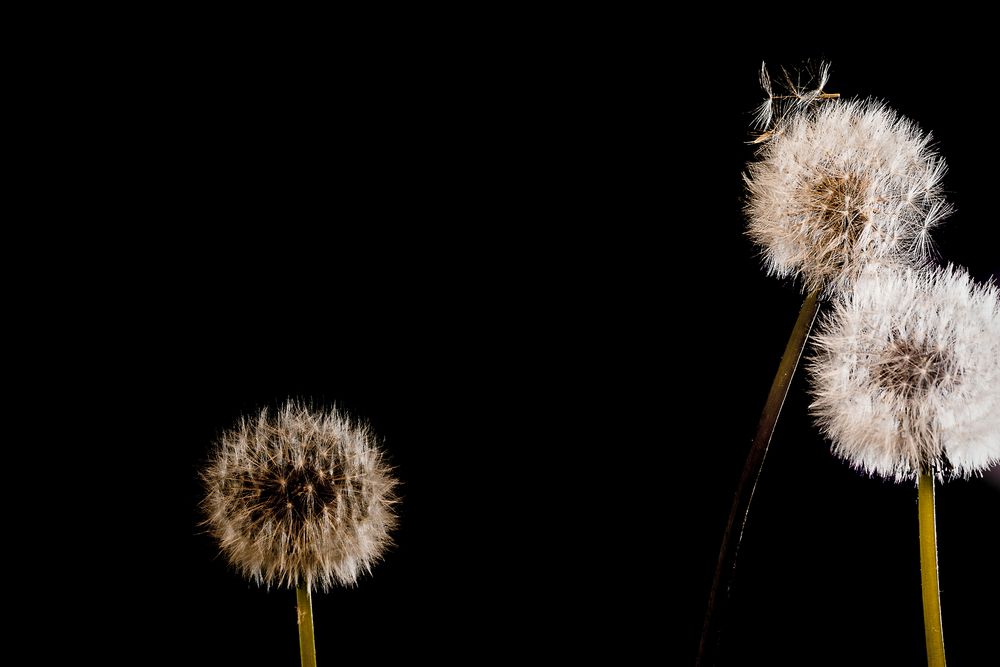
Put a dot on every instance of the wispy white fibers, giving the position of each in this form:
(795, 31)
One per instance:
(907, 374)
(300, 498)
(840, 185)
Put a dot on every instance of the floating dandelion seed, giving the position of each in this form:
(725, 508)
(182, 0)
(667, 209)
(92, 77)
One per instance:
(300, 498)
(841, 186)
(795, 92)
(907, 375)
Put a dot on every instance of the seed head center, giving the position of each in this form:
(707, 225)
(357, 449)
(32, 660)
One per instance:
(838, 203)
(910, 369)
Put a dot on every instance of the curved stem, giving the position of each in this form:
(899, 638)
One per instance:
(729, 550)
(307, 643)
(929, 572)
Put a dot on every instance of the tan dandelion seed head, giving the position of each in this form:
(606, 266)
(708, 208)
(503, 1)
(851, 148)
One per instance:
(841, 185)
(300, 497)
(906, 378)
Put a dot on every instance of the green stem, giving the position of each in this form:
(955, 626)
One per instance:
(307, 643)
(929, 572)
(728, 552)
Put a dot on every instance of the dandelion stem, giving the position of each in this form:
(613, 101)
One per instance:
(728, 552)
(929, 572)
(307, 643)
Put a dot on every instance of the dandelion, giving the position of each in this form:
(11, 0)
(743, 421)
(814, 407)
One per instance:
(300, 498)
(907, 375)
(907, 385)
(840, 186)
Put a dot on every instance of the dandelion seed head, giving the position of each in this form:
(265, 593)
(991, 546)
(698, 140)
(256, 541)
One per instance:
(840, 186)
(906, 377)
(300, 497)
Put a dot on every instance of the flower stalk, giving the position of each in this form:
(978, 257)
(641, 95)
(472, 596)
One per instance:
(307, 642)
(729, 551)
(933, 632)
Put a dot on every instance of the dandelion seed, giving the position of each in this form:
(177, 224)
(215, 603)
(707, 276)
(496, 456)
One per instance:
(842, 186)
(906, 380)
(300, 498)
(799, 92)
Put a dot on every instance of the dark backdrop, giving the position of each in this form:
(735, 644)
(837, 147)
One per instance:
(521, 258)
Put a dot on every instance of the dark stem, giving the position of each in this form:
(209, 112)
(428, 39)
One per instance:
(729, 551)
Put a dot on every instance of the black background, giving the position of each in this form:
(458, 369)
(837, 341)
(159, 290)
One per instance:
(520, 257)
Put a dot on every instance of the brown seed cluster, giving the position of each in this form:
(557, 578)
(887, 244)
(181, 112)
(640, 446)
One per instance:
(910, 369)
(838, 209)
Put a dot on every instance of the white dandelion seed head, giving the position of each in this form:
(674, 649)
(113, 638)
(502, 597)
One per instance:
(840, 186)
(300, 497)
(906, 377)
